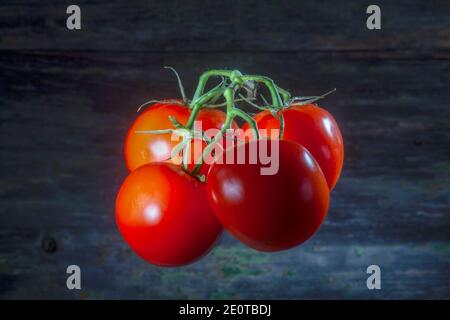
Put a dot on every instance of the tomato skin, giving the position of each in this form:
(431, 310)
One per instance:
(270, 212)
(315, 129)
(163, 214)
(143, 148)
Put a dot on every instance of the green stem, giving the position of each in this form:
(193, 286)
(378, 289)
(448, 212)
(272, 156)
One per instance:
(199, 103)
(251, 122)
(180, 83)
(281, 120)
(276, 99)
(229, 97)
(204, 79)
(274, 90)
(217, 97)
(313, 99)
(279, 97)
(285, 94)
(186, 155)
(232, 112)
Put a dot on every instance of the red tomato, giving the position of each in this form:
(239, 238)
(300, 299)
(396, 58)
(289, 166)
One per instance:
(269, 212)
(315, 129)
(163, 214)
(142, 148)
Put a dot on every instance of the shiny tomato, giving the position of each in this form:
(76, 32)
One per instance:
(142, 148)
(269, 212)
(315, 129)
(163, 214)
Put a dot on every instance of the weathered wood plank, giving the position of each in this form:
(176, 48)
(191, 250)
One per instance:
(313, 271)
(142, 25)
(63, 117)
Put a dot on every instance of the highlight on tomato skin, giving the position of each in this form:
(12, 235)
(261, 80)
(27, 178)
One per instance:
(164, 215)
(315, 129)
(270, 212)
(143, 148)
(170, 216)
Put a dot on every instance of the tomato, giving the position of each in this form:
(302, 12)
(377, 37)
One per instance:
(142, 148)
(269, 212)
(163, 214)
(315, 129)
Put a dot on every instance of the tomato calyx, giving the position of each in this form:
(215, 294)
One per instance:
(227, 93)
(301, 101)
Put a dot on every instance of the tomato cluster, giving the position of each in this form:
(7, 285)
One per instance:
(172, 211)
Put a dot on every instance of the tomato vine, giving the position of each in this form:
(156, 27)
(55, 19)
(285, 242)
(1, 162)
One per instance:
(231, 84)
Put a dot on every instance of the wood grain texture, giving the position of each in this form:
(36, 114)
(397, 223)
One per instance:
(67, 100)
(63, 120)
(258, 25)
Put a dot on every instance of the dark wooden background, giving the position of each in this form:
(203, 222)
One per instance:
(67, 98)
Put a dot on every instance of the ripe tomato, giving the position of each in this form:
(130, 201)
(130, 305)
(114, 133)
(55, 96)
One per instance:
(142, 148)
(315, 129)
(163, 214)
(269, 212)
